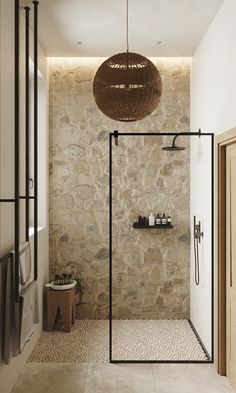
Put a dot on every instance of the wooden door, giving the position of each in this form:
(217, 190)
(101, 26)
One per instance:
(231, 262)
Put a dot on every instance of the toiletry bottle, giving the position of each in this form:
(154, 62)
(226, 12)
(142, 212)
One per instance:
(169, 219)
(65, 281)
(158, 219)
(151, 220)
(164, 219)
(56, 279)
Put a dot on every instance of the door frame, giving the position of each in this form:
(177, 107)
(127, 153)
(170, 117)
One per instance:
(222, 141)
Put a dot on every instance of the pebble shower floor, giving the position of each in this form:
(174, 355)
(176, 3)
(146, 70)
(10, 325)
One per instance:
(88, 341)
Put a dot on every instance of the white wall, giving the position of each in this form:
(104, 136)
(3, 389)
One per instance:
(200, 206)
(9, 373)
(213, 109)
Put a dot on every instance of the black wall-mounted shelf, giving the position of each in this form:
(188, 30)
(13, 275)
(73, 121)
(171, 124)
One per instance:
(161, 226)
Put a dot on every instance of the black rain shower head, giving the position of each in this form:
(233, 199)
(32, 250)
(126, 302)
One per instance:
(173, 147)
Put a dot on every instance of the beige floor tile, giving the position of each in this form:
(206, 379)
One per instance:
(116, 378)
(52, 378)
(120, 378)
(186, 378)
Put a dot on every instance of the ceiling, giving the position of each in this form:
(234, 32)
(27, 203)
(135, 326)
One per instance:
(100, 26)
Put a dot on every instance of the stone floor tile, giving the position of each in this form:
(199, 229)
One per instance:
(117, 378)
(186, 378)
(120, 378)
(52, 378)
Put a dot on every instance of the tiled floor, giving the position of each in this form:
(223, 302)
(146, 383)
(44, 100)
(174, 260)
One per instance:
(117, 378)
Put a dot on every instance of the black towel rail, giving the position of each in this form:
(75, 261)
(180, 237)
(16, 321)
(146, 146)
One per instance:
(5, 257)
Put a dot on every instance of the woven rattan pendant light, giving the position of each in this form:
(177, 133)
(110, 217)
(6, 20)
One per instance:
(127, 86)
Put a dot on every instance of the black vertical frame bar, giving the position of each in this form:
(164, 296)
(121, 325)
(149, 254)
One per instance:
(212, 245)
(17, 153)
(111, 135)
(27, 11)
(36, 3)
(110, 247)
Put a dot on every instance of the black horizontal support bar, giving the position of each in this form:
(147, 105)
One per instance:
(162, 133)
(7, 200)
(13, 200)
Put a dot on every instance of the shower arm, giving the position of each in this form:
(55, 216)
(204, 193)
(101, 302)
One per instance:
(186, 133)
(173, 143)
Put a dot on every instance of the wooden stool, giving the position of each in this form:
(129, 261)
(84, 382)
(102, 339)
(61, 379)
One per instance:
(65, 301)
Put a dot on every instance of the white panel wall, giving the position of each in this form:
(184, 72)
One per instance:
(200, 206)
(9, 373)
(213, 109)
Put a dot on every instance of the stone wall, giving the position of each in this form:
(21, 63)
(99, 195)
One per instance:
(150, 267)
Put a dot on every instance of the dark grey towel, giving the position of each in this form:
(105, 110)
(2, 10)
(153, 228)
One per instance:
(29, 314)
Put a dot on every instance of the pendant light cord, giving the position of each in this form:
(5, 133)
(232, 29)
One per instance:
(127, 24)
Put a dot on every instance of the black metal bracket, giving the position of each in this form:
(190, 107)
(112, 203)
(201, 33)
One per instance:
(116, 134)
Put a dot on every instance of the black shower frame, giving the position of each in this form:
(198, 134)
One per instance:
(116, 135)
(17, 197)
